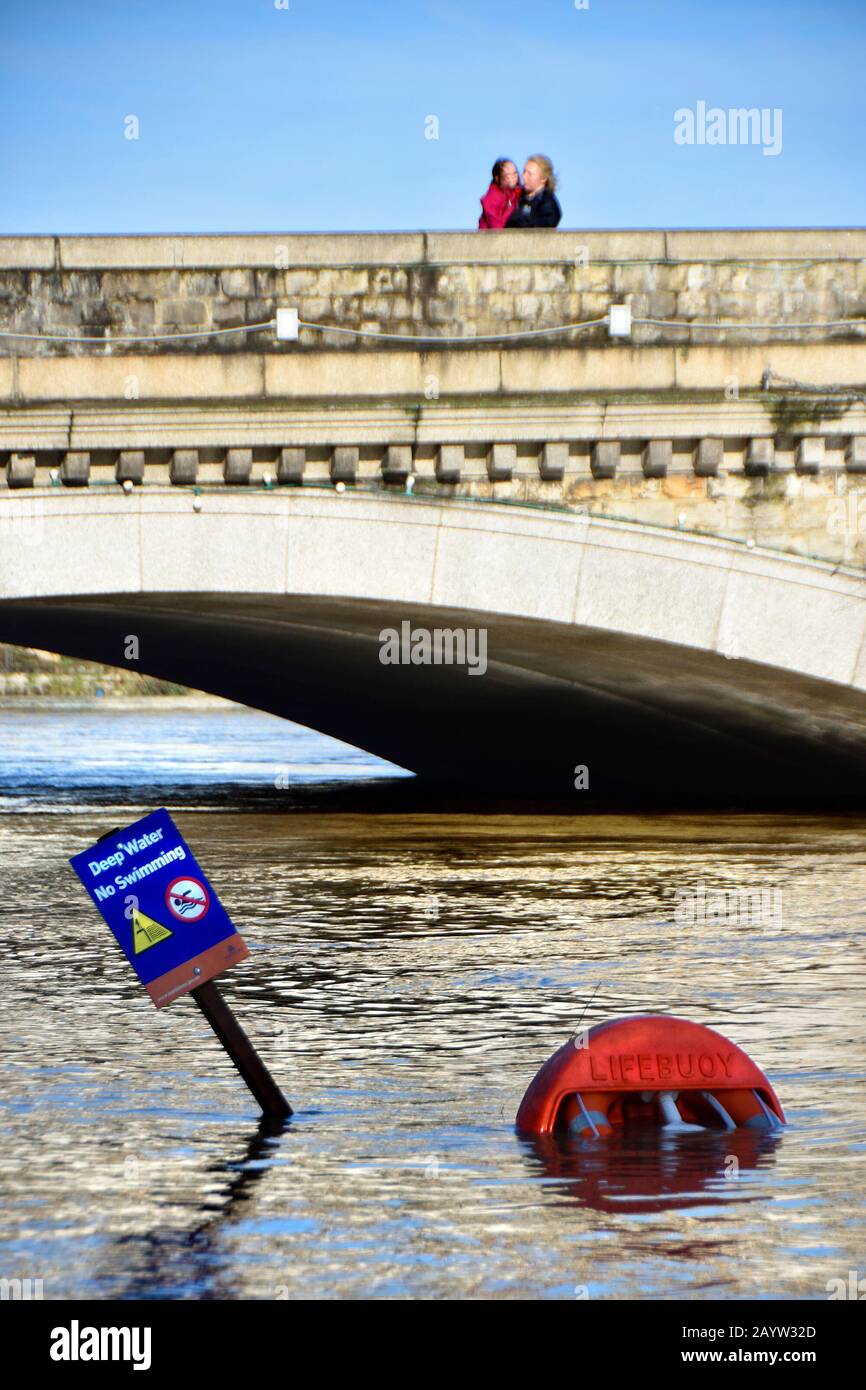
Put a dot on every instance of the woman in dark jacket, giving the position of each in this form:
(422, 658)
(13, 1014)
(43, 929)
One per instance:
(538, 206)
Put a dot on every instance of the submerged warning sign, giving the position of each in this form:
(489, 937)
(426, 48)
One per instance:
(164, 914)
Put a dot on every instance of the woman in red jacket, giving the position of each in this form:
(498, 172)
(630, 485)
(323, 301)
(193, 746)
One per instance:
(501, 198)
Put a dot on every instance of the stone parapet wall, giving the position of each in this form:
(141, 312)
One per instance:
(759, 434)
(427, 285)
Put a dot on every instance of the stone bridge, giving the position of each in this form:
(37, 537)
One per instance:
(661, 535)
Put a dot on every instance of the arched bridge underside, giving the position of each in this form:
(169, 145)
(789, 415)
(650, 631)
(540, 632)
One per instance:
(679, 669)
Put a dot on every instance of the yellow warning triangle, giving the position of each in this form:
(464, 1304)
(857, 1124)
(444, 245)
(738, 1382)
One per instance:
(146, 932)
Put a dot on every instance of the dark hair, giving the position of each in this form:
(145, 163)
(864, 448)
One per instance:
(499, 166)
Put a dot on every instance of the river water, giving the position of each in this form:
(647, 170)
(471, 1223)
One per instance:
(409, 972)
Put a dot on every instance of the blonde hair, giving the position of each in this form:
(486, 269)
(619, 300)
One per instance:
(546, 167)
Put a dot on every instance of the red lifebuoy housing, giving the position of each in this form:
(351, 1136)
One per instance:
(648, 1069)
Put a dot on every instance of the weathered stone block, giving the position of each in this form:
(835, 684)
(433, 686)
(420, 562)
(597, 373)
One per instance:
(527, 306)
(855, 454)
(708, 457)
(516, 278)
(683, 486)
(21, 470)
(269, 283)
(760, 457)
(730, 306)
(139, 317)
(183, 313)
(690, 304)
(290, 465)
(768, 306)
(75, 469)
(501, 462)
(456, 279)
(388, 280)
(238, 284)
(605, 458)
(377, 306)
(763, 277)
(656, 458)
(593, 276)
(552, 462)
(316, 308)
(238, 466)
(229, 314)
(422, 281)
(130, 466)
(196, 285)
(183, 468)
(344, 281)
(259, 310)
(699, 276)
(344, 464)
(499, 305)
(593, 305)
(797, 303)
(54, 316)
(634, 279)
(397, 463)
(441, 311)
(810, 454)
(549, 279)
(300, 282)
(449, 461)
(114, 286)
(84, 285)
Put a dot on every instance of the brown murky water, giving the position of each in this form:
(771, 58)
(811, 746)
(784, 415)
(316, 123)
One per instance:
(409, 973)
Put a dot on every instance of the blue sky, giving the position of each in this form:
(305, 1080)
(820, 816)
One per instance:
(312, 118)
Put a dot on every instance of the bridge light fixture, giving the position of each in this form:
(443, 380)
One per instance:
(287, 324)
(127, 485)
(619, 321)
(339, 487)
(267, 480)
(196, 504)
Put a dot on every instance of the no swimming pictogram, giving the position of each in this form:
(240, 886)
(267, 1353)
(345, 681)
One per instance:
(187, 899)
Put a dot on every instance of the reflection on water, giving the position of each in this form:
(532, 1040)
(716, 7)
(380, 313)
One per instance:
(409, 973)
(651, 1171)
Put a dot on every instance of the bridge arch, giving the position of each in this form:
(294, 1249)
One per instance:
(678, 668)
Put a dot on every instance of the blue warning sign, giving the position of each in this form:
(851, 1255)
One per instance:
(163, 912)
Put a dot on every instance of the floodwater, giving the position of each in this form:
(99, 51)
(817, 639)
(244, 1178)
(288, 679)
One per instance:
(409, 973)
